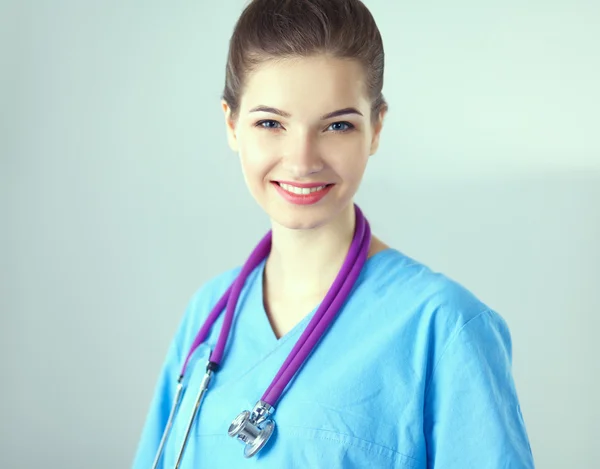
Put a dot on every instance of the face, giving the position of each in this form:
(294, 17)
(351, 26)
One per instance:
(304, 135)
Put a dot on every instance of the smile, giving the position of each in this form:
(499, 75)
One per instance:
(301, 190)
(302, 195)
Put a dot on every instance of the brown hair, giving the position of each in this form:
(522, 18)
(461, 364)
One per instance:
(279, 29)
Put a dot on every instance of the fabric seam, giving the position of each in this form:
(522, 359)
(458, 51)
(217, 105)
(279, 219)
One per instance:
(451, 341)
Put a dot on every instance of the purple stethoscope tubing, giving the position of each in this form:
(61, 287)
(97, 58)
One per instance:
(326, 312)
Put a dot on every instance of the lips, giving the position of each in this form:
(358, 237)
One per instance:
(304, 194)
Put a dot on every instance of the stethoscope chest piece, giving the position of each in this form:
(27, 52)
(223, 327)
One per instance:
(253, 428)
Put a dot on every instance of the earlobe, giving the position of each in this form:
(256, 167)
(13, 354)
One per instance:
(230, 127)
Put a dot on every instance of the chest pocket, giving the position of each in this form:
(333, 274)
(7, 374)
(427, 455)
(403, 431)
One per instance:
(309, 432)
(315, 435)
(296, 448)
(318, 448)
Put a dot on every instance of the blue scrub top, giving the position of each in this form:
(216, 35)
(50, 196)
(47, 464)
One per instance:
(415, 372)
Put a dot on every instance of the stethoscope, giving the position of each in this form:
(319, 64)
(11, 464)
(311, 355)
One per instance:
(254, 428)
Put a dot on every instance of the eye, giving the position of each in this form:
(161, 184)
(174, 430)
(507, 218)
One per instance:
(340, 127)
(268, 124)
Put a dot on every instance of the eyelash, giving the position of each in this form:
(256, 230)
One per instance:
(348, 125)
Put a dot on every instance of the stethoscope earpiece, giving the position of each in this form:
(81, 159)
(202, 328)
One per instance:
(253, 428)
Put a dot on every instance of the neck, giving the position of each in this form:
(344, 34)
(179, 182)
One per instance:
(303, 264)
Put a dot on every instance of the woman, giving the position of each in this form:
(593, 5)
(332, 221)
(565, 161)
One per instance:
(412, 371)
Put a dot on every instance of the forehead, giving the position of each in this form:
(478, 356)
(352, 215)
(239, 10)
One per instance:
(304, 85)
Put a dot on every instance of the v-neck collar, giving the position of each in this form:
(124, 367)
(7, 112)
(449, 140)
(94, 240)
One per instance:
(258, 335)
(258, 305)
(256, 301)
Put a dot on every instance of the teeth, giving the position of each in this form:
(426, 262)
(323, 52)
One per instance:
(301, 190)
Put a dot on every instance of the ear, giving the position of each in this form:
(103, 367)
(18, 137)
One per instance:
(377, 126)
(230, 127)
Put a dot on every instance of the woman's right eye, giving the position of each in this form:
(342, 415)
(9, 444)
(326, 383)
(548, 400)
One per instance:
(268, 124)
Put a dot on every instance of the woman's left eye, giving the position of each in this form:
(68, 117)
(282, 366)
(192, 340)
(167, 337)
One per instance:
(340, 126)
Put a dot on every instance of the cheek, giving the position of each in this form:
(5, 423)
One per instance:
(347, 156)
(255, 159)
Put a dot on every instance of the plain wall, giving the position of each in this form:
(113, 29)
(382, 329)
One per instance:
(120, 197)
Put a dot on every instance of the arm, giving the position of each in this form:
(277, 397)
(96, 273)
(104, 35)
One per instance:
(160, 408)
(472, 417)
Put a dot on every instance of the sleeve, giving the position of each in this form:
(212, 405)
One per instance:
(158, 413)
(472, 417)
(165, 388)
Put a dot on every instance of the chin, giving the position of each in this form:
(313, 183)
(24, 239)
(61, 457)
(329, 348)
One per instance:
(300, 218)
(305, 217)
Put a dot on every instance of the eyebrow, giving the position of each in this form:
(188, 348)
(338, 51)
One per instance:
(279, 112)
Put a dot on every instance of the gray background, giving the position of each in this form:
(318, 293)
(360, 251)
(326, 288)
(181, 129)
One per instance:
(120, 198)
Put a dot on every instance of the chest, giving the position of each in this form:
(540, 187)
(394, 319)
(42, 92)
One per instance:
(283, 316)
(350, 405)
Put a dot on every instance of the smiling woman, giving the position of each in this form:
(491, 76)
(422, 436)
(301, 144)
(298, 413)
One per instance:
(369, 358)
(303, 121)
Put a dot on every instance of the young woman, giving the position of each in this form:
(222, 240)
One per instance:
(344, 352)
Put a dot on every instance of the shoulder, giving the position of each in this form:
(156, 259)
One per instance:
(201, 303)
(212, 289)
(439, 309)
(400, 279)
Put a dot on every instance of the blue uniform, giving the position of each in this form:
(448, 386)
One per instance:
(415, 372)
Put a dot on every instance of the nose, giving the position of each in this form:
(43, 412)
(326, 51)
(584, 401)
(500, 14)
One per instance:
(301, 155)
